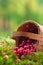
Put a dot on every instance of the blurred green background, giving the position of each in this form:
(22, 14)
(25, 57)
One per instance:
(15, 12)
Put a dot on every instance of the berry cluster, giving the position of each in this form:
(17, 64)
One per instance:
(25, 47)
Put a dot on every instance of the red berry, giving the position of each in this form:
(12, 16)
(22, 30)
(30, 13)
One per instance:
(23, 41)
(25, 47)
(16, 48)
(21, 48)
(19, 51)
(15, 52)
(28, 41)
(26, 51)
(32, 43)
(32, 50)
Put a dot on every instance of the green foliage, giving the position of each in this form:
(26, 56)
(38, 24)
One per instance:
(34, 59)
(1, 60)
(5, 49)
(4, 3)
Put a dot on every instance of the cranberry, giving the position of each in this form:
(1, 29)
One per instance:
(25, 50)
(16, 48)
(21, 48)
(22, 44)
(15, 52)
(25, 47)
(28, 41)
(32, 50)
